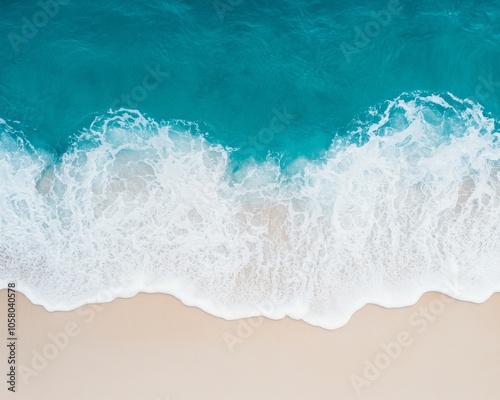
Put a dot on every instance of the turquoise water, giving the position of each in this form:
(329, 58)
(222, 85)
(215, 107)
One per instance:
(288, 158)
(230, 74)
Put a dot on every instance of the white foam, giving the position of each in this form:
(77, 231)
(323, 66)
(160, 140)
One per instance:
(141, 206)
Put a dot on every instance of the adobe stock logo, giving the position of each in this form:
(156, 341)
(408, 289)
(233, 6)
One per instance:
(280, 120)
(152, 80)
(485, 88)
(418, 321)
(57, 342)
(223, 7)
(372, 29)
(39, 20)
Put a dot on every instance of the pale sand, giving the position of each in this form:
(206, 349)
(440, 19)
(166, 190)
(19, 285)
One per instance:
(153, 347)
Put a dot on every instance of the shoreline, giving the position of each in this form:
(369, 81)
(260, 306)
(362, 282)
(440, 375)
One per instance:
(154, 347)
(268, 311)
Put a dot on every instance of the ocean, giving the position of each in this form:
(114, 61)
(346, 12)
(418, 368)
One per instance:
(290, 158)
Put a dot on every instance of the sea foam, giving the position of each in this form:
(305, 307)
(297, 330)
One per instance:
(406, 201)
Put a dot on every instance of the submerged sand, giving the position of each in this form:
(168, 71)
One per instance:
(152, 347)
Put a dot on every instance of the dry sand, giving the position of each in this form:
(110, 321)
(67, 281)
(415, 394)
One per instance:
(152, 347)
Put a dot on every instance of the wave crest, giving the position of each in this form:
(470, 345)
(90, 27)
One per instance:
(406, 202)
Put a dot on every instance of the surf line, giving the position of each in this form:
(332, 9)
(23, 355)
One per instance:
(11, 337)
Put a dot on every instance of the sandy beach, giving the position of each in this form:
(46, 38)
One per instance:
(154, 347)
